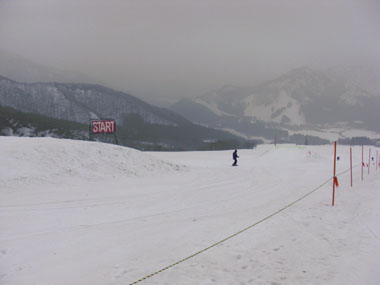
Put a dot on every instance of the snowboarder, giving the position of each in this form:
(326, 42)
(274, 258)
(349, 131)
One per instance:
(235, 157)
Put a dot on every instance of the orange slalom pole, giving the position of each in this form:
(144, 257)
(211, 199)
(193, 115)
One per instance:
(333, 194)
(351, 163)
(369, 160)
(362, 160)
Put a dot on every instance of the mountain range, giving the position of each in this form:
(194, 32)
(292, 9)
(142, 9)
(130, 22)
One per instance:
(140, 124)
(288, 108)
(300, 99)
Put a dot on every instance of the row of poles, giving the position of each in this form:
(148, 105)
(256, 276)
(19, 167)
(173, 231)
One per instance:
(335, 178)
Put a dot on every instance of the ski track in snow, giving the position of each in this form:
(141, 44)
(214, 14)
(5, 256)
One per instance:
(120, 214)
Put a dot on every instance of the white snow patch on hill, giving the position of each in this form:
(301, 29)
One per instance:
(282, 110)
(212, 106)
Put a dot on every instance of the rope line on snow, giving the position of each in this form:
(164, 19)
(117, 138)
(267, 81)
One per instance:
(241, 231)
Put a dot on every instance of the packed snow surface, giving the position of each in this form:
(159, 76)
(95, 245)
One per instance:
(75, 212)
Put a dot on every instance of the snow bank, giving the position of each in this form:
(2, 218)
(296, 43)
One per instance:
(54, 160)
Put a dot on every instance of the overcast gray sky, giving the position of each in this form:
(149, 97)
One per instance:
(175, 48)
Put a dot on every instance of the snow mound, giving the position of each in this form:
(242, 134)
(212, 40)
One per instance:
(24, 160)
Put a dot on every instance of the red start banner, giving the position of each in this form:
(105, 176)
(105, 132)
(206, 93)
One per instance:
(103, 126)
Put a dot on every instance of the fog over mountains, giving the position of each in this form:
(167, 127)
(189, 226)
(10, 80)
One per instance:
(140, 124)
(298, 102)
(21, 69)
(79, 102)
(301, 98)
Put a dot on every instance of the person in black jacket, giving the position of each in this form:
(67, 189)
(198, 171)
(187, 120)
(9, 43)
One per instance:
(235, 157)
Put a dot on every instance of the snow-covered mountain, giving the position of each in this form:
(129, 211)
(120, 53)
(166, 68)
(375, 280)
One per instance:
(304, 96)
(300, 97)
(225, 101)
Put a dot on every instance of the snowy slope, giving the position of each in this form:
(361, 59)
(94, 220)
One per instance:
(120, 215)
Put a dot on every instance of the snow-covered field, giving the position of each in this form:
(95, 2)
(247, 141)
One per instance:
(75, 212)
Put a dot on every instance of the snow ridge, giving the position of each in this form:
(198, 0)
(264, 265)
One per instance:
(50, 160)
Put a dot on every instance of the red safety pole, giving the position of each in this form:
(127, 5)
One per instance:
(351, 163)
(362, 160)
(335, 181)
(369, 159)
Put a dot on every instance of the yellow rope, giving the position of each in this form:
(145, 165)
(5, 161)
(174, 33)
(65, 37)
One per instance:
(239, 232)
